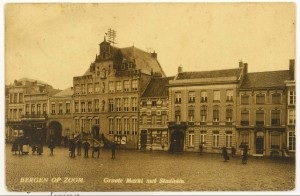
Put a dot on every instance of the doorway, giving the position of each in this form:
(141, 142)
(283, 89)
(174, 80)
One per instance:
(177, 141)
(259, 143)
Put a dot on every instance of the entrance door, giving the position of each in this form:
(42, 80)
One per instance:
(259, 143)
(177, 141)
(143, 139)
(96, 132)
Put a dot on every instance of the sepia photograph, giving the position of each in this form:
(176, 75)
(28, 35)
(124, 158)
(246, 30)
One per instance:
(149, 98)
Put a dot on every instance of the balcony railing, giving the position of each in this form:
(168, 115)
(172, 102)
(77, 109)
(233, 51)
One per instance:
(275, 122)
(260, 123)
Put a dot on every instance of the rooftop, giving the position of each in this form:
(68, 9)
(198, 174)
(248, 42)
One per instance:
(64, 93)
(209, 74)
(157, 87)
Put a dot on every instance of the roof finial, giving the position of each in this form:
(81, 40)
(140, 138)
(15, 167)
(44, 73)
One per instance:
(104, 38)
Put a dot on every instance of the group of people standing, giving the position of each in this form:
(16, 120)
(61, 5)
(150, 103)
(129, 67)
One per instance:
(22, 144)
(233, 151)
(73, 144)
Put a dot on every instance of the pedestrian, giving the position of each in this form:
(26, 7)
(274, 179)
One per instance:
(79, 143)
(51, 146)
(86, 147)
(113, 150)
(40, 146)
(72, 147)
(233, 151)
(96, 149)
(33, 148)
(20, 145)
(225, 154)
(15, 146)
(245, 155)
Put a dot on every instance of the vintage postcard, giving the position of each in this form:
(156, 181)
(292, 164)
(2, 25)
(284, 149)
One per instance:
(150, 97)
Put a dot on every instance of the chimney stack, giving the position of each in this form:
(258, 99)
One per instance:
(180, 69)
(292, 69)
(154, 54)
(241, 64)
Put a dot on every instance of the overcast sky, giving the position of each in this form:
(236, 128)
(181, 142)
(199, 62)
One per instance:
(55, 42)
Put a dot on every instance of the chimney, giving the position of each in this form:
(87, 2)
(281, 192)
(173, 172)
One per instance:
(292, 69)
(245, 68)
(180, 69)
(241, 64)
(154, 54)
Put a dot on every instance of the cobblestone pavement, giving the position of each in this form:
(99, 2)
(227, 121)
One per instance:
(207, 172)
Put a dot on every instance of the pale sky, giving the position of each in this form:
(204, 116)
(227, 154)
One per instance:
(55, 42)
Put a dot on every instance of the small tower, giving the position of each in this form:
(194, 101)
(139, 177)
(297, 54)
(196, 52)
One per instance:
(104, 49)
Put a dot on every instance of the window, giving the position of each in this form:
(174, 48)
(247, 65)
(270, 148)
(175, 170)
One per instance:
(126, 126)
(90, 109)
(260, 99)
(60, 108)
(153, 103)
(164, 119)
(134, 126)
(97, 121)
(144, 103)
(245, 118)
(90, 88)
(216, 112)
(27, 109)
(245, 99)
(38, 109)
(144, 119)
(203, 137)
(82, 125)
(126, 85)
(245, 138)
(82, 106)
(191, 97)
(111, 105)
(89, 125)
(216, 95)
(191, 138)
(292, 140)
(134, 85)
(68, 109)
(44, 108)
(126, 104)
(118, 104)
(228, 139)
(153, 120)
(216, 139)
(275, 117)
(32, 109)
(15, 97)
(10, 98)
(229, 95)
(275, 141)
(110, 126)
(21, 98)
(260, 117)
(96, 102)
(276, 98)
(83, 88)
(97, 87)
(118, 126)
(177, 97)
(20, 113)
(177, 115)
(53, 108)
(292, 97)
(134, 103)
(76, 107)
(191, 115)
(203, 96)
(111, 87)
(229, 115)
(77, 89)
(292, 117)
(203, 113)
(119, 87)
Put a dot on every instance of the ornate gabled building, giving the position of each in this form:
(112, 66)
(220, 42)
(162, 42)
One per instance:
(202, 109)
(106, 98)
(153, 128)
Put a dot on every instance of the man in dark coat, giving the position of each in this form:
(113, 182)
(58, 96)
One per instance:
(86, 147)
(245, 154)
(225, 154)
(15, 146)
(113, 150)
(40, 146)
(79, 147)
(96, 149)
(51, 146)
(233, 151)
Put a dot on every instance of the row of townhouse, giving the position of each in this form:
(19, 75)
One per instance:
(125, 96)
